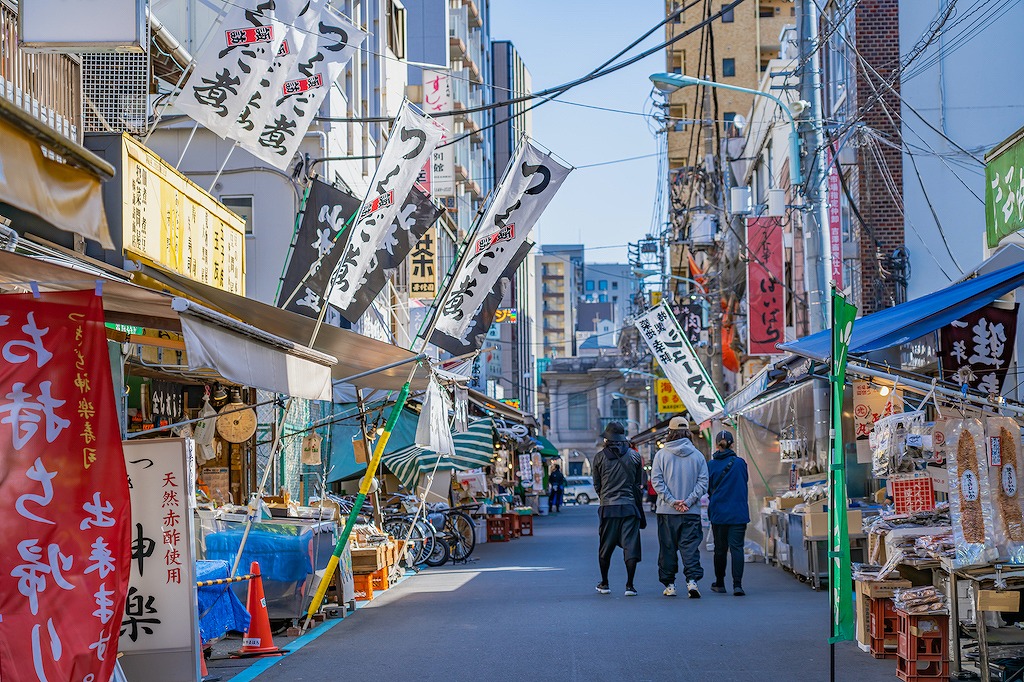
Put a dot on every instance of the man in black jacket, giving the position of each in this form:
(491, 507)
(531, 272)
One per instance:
(617, 480)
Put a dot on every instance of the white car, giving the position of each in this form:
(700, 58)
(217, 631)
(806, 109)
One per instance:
(579, 489)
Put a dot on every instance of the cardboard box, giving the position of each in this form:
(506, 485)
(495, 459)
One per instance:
(816, 523)
(879, 589)
(1006, 602)
(784, 503)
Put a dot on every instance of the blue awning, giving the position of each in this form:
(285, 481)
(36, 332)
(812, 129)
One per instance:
(343, 465)
(913, 319)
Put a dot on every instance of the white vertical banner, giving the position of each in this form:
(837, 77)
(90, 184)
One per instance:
(527, 188)
(413, 139)
(229, 68)
(670, 347)
(160, 621)
(437, 98)
(279, 114)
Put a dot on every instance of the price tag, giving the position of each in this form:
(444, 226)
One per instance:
(995, 453)
(915, 440)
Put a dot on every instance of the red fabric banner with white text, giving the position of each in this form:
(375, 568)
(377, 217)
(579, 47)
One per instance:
(63, 492)
(766, 297)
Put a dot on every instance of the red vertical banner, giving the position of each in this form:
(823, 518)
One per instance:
(766, 294)
(63, 492)
(835, 222)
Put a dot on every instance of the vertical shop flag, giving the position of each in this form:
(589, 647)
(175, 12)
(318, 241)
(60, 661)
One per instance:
(526, 189)
(840, 578)
(983, 341)
(478, 327)
(64, 491)
(412, 141)
(439, 172)
(317, 249)
(670, 347)
(278, 115)
(412, 223)
(229, 68)
(766, 297)
(835, 221)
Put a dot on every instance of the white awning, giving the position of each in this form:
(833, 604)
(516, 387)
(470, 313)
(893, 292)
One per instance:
(251, 357)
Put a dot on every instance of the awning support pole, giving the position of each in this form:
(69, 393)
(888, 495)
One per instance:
(416, 358)
(364, 489)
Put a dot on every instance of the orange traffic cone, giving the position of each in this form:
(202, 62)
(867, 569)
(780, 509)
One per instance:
(257, 640)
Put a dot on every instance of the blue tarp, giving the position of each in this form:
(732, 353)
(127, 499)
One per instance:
(913, 319)
(283, 556)
(220, 611)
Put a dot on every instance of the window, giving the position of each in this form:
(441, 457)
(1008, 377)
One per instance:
(730, 121)
(619, 410)
(396, 28)
(590, 285)
(603, 285)
(243, 207)
(728, 17)
(766, 11)
(729, 67)
(615, 299)
(602, 298)
(615, 285)
(579, 411)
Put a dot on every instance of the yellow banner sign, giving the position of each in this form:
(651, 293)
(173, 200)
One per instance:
(173, 222)
(669, 401)
(423, 266)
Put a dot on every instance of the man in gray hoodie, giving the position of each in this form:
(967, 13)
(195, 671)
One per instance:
(680, 475)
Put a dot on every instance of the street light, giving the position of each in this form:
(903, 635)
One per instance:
(669, 82)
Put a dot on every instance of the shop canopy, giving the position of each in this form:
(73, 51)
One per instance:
(473, 449)
(215, 344)
(499, 409)
(343, 465)
(913, 319)
(355, 353)
(547, 448)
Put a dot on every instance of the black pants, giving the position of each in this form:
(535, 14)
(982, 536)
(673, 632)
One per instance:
(729, 538)
(621, 532)
(679, 533)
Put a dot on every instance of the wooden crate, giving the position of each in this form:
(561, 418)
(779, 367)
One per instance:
(368, 559)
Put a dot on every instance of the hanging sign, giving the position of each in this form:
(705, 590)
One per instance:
(439, 171)
(982, 341)
(766, 299)
(63, 490)
(160, 621)
(835, 222)
(671, 349)
(869, 405)
(423, 266)
(669, 401)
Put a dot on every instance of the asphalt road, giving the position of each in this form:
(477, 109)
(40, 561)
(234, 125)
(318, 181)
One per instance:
(527, 610)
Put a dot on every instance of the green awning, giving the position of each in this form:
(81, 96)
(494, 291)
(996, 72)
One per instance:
(342, 465)
(547, 448)
(473, 449)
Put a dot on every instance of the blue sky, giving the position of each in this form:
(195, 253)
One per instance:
(561, 40)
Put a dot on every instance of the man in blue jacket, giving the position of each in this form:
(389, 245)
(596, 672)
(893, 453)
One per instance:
(728, 511)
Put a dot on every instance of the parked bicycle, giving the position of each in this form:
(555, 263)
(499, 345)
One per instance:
(400, 521)
(455, 531)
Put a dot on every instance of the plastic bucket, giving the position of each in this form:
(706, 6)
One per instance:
(542, 505)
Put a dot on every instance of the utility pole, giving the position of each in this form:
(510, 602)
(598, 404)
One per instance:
(712, 199)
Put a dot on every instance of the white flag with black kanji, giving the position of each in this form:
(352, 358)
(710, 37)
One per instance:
(527, 188)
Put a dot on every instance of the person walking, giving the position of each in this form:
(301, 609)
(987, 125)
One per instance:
(556, 485)
(652, 495)
(728, 511)
(680, 475)
(618, 471)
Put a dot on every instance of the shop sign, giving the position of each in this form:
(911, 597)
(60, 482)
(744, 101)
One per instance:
(423, 266)
(835, 222)
(691, 319)
(173, 222)
(511, 402)
(983, 342)
(766, 298)
(673, 351)
(160, 618)
(669, 401)
(64, 574)
(438, 176)
(869, 405)
(506, 316)
(82, 25)
(1004, 193)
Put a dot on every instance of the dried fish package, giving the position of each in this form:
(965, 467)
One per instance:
(1003, 446)
(970, 501)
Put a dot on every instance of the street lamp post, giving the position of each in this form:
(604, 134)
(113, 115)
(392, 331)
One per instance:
(673, 81)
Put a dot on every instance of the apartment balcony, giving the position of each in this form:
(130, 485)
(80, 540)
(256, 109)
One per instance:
(47, 86)
(473, 13)
(458, 47)
(552, 275)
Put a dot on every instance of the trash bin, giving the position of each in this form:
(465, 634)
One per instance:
(542, 505)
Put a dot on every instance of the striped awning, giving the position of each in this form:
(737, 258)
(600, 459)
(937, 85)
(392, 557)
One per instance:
(473, 449)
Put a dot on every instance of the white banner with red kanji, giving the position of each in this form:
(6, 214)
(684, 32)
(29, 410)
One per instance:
(63, 491)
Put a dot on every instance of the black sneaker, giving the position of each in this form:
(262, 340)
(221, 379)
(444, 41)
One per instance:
(630, 591)
(737, 591)
(602, 588)
(716, 587)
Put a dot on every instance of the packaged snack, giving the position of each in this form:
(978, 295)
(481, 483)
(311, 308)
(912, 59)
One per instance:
(970, 500)
(1003, 447)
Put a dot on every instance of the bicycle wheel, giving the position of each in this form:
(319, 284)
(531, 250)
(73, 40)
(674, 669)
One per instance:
(399, 529)
(463, 530)
(441, 553)
(429, 540)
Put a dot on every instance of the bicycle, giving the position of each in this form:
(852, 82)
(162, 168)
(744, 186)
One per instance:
(401, 524)
(456, 532)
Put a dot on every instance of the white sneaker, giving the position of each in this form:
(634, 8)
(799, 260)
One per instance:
(670, 591)
(691, 587)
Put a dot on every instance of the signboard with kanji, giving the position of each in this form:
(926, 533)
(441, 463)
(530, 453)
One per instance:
(669, 401)
(160, 620)
(1004, 187)
(423, 266)
(63, 491)
(766, 298)
(983, 343)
